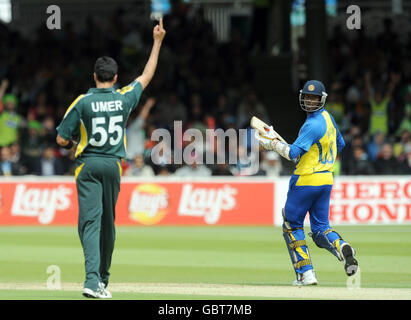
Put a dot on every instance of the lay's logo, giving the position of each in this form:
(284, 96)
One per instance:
(207, 202)
(42, 203)
(148, 204)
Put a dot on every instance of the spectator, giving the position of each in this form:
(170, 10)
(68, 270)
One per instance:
(7, 167)
(353, 93)
(48, 164)
(164, 172)
(404, 139)
(335, 103)
(222, 169)
(10, 121)
(3, 87)
(135, 131)
(68, 163)
(386, 163)
(32, 145)
(359, 164)
(374, 146)
(197, 116)
(271, 165)
(15, 152)
(41, 110)
(49, 131)
(149, 143)
(405, 161)
(161, 156)
(249, 107)
(405, 124)
(224, 118)
(139, 168)
(247, 163)
(170, 110)
(193, 170)
(379, 102)
(15, 157)
(347, 154)
(206, 76)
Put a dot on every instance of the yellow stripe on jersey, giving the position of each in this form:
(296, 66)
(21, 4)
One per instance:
(125, 89)
(321, 156)
(315, 179)
(73, 105)
(77, 171)
(125, 142)
(120, 168)
(83, 139)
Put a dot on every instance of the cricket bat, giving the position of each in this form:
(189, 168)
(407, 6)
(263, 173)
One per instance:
(263, 128)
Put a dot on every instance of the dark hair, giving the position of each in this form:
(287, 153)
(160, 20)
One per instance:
(105, 68)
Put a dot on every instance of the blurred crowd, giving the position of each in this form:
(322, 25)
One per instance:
(204, 84)
(370, 99)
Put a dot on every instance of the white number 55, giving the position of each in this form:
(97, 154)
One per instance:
(113, 126)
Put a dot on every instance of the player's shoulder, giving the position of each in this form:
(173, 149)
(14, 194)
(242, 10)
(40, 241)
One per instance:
(85, 99)
(315, 123)
(314, 119)
(77, 103)
(82, 98)
(130, 87)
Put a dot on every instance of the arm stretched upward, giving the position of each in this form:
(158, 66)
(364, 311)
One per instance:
(150, 68)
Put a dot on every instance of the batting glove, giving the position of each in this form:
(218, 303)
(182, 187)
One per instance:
(267, 141)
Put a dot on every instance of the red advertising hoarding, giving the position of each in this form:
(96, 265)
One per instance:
(370, 200)
(222, 202)
(219, 201)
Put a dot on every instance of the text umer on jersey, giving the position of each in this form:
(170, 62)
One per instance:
(98, 118)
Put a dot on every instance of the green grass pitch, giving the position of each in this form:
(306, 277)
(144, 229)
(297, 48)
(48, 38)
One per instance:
(249, 256)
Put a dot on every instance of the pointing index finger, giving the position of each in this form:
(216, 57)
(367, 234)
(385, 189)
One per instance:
(161, 23)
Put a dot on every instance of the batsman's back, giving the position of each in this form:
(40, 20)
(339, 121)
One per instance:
(321, 155)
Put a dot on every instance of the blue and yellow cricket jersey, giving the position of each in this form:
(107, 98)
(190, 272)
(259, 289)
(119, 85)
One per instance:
(316, 148)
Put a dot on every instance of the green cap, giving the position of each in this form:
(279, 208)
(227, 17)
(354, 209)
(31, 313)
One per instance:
(10, 97)
(33, 124)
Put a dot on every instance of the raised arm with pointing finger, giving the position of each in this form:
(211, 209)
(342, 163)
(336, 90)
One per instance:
(150, 68)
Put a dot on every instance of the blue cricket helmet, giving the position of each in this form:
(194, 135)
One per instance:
(312, 87)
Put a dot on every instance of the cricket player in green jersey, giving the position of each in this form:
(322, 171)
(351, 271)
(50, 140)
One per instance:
(99, 118)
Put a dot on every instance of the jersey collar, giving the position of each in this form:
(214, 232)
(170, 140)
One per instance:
(312, 114)
(100, 90)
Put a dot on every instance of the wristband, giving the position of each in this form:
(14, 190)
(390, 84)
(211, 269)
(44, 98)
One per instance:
(69, 145)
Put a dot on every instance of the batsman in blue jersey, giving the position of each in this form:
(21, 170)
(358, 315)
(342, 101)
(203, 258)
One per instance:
(314, 152)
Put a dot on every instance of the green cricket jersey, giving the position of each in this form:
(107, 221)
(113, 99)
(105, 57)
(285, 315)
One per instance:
(9, 125)
(99, 118)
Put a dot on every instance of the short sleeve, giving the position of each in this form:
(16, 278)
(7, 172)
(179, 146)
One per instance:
(132, 94)
(69, 126)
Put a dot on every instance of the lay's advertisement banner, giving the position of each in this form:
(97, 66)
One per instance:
(212, 201)
(153, 202)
